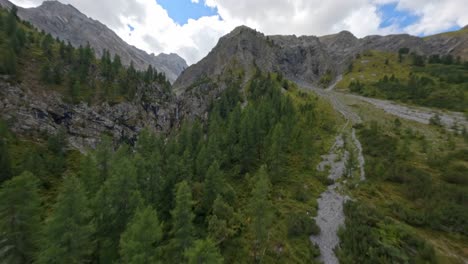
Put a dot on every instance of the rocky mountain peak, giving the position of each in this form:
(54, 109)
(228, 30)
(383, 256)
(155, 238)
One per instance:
(67, 23)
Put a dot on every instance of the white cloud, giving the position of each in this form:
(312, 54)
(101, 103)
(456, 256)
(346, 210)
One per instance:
(156, 32)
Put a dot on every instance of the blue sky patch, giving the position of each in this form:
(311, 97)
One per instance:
(181, 10)
(390, 16)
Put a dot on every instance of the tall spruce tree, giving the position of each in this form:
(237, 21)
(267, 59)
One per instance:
(19, 219)
(182, 221)
(67, 233)
(261, 212)
(213, 186)
(139, 243)
(115, 204)
(222, 221)
(5, 161)
(204, 251)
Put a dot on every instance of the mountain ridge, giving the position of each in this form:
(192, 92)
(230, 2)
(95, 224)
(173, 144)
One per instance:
(308, 58)
(68, 24)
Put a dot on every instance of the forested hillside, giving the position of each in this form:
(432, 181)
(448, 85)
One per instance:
(432, 81)
(101, 163)
(240, 186)
(29, 56)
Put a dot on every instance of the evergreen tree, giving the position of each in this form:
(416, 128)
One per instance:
(213, 186)
(8, 62)
(46, 75)
(204, 252)
(149, 161)
(261, 212)
(75, 89)
(276, 154)
(5, 161)
(139, 242)
(19, 218)
(182, 221)
(68, 231)
(221, 222)
(11, 23)
(89, 174)
(104, 153)
(115, 204)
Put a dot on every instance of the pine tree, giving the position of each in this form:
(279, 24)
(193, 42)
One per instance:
(139, 242)
(8, 62)
(89, 174)
(204, 251)
(104, 153)
(115, 204)
(213, 186)
(260, 211)
(5, 161)
(67, 233)
(11, 23)
(276, 157)
(19, 218)
(182, 220)
(221, 222)
(75, 89)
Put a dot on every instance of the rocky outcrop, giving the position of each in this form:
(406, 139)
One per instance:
(307, 58)
(33, 113)
(69, 24)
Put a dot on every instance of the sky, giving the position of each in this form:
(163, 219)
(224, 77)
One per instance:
(191, 28)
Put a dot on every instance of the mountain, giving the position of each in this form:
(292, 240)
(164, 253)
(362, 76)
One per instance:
(69, 24)
(309, 58)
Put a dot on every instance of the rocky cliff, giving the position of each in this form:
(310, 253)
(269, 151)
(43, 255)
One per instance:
(69, 24)
(308, 58)
(33, 112)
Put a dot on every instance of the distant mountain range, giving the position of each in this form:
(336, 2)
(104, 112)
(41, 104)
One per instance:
(69, 24)
(308, 58)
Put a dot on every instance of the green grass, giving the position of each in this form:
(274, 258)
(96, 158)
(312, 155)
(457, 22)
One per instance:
(385, 195)
(371, 66)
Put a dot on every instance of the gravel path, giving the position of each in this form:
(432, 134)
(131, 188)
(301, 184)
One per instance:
(415, 113)
(419, 114)
(330, 214)
(360, 156)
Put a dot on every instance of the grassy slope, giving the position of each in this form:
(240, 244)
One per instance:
(373, 66)
(382, 194)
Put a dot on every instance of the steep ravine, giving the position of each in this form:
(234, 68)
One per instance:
(330, 215)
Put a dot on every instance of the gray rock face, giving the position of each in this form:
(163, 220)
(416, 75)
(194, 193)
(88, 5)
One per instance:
(307, 58)
(302, 59)
(35, 112)
(69, 24)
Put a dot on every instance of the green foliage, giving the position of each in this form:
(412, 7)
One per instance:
(369, 237)
(387, 160)
(115, 204)
(438, 83)
(213, 185)
(67, 233)
(260, 212)
(222, 223)
(182, 221)
(211, 203)
(139, 243)
(203, 251)
(19, 218)
(74, 72)
(5, 160)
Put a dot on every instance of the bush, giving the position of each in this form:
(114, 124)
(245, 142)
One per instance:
(300, 224)
(456, 174)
